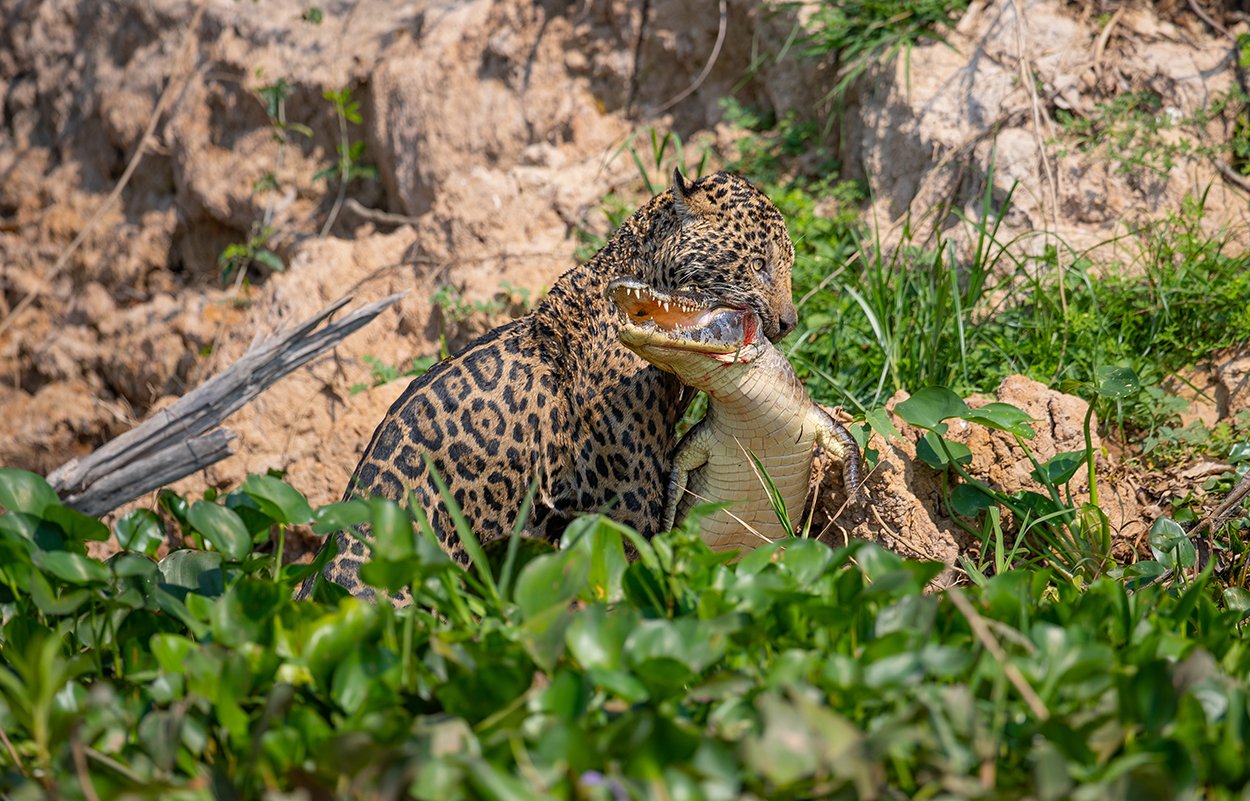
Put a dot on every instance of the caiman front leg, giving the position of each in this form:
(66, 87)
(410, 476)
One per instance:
(833, 437)
(691, 454)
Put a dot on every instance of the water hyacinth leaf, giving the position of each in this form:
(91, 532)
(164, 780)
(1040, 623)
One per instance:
(342, 515)
(48, 602)
(23, 491)
(140, 530)
(332, 637)
(968, 500)
(172, 651)
(806, 560)
(875, 561)
(930, 406)
(542, 634)
(195, 571)
(621, 683)
(1060, 468)
(1142, 573)
(696, 644)
(1003, 417)
(1237, 600)
(551, 580)
(132, 565)
(1171, 545)
(17, 526)
(176, 505)
(221, 527)
(1115, 383)
(602, 545)
(71, 568)
(396, 574)
(255, 520)
(391, 525)
(282, 502)
(929, 450)
(245, 613)
(76, 525)
(596, 636)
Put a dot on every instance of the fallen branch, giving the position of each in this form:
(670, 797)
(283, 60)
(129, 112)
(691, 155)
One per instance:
(180, 439)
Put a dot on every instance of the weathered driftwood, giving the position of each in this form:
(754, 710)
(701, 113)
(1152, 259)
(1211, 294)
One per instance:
(180, 439)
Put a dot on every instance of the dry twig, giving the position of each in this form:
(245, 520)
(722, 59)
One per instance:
(178, 440)
(982, 632)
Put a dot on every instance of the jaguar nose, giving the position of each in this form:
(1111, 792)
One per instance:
(788, 322)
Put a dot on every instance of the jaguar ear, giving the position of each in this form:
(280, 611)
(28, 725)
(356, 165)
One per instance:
(690, 202)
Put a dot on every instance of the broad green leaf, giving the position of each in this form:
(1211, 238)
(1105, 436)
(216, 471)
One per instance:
(929, 450)
(1060, 468)
(542, 634)
(806, 560)
(396, 574)
(269, 259)
(140, 530)
(695, 644)
(930, 406)
(600, 542)
(171, 651)
(49, 602)
(969, 501)
(72, 567)
(175, 504)
(76, 525)
(196, 571)
(620, 683)
(23, 491)
(339, 516)
(129, 565)
(879, 420)
(391, 527)
(245, 613)
(1003, 417)
(21, 526)
(1115, 383)
(279, 500)
(1171, 545)
(334, 636)
(1237, 600)
(596, 636)
(551, 580)
(222, 527)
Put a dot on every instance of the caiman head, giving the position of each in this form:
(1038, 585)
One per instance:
(692, 335)
(722, 237)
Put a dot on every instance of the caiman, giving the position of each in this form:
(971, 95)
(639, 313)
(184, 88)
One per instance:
(757, 407)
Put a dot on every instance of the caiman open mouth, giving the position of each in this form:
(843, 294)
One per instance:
(680, 321)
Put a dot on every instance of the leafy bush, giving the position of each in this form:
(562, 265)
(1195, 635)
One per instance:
(796, 672)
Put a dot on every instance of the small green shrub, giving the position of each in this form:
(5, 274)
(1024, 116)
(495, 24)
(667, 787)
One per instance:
(798, 671)
(382, 373)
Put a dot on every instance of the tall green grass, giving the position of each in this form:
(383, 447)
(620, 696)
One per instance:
(875, 319)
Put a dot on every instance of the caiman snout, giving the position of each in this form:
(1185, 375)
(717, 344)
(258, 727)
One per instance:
(680, 321)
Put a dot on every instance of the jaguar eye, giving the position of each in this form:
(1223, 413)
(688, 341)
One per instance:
(760, 265)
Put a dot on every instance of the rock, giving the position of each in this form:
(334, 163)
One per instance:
(935, 127)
